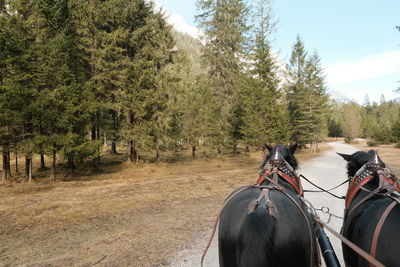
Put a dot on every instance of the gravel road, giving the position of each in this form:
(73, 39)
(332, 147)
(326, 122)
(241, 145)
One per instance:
(327, 171)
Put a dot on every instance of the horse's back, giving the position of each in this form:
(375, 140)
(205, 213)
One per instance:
(258, 239)
(360, 228)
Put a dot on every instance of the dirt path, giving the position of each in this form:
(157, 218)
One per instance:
(326, 170)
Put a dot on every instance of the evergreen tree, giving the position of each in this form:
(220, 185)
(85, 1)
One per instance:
(263, 120)
(317, 102)
(307, 96)
(149, 48)
(298, 94)
(162, 99)
(61, 74)
(224, 25)
(9, 118)
(19, 91)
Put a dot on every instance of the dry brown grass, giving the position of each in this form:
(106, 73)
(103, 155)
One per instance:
(125, 215)
(388, 153)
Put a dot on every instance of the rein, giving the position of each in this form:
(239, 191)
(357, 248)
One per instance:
(324, 190)
(361, 252)
(357, 249)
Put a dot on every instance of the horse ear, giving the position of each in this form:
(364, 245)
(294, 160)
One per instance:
(293, 148)
(266, 146)
(345, 156)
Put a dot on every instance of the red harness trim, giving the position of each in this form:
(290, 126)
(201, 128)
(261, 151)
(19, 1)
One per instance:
(355, 187)
(294, 182)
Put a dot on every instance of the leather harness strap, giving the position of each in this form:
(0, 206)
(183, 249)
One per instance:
(370, 194)
(295, 182)
(312, 244)
(385, 183)
(351, 245)
(354, 187)
(357, 183)
(378, 229)
(268, 202)
(388, 185)
(265, 190)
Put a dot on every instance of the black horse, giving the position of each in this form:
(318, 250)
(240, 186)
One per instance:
(372, 215)
(275, 232)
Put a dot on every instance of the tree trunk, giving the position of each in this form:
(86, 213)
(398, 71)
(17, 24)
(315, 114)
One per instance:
(137, 156)
(96, 136)
(16, 161)
(194, 148)
(42, 163)
(28, 168)
(53, 166)
(6, 164)
(235, 149)
(114, 141)
(30, 171)
(113, 147)
(157, 152)
(219, 152)
(247, 149)
(130, 150)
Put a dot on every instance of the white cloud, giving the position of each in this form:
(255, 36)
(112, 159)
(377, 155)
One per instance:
(366, 68)
(178, 22)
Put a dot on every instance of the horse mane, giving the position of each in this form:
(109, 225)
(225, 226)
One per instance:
(286, 154)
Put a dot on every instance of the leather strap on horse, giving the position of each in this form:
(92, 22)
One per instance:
(351, 245)
(264, 194)
(378, 228)
(354, 187)
(384, 184)
(273, 181)
(283, 190)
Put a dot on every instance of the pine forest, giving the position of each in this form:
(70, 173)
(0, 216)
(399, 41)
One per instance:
(80, 78)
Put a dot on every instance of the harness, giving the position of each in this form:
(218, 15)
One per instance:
(282, 168)
(388, 187)
(365, 174)
(277, 167)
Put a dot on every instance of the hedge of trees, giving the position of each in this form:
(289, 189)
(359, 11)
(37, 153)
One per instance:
(378, 122)
(74, 73)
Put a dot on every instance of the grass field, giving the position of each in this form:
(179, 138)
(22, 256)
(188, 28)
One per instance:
(137, 215)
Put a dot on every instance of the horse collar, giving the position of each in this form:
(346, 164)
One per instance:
(364, 175)
(281, 168)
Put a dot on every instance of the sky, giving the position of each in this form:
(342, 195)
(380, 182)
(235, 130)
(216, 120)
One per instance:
(356, 40)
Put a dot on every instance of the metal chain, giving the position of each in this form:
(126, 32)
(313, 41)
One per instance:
(326, 210)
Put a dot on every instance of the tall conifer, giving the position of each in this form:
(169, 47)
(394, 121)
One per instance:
(225, 28)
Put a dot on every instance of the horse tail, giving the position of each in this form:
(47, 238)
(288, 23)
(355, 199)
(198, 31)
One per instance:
(255, 242)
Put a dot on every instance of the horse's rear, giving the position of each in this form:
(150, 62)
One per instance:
(259, 239)
(361, 226)
(372, 217)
